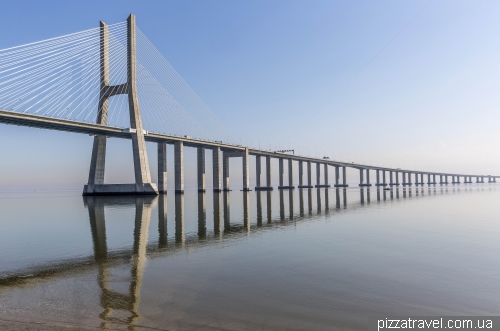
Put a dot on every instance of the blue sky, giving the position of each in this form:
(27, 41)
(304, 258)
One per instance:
(410, 84)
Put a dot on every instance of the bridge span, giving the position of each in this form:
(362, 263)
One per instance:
(223, 151)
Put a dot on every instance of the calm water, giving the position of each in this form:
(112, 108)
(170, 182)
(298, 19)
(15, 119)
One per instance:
(292, 260)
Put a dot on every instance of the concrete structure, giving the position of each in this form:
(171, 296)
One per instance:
(318, 176)
(179, 166)
(143, 184)
(200, 158)
(361, 178)
(216, 179)
(344, 177)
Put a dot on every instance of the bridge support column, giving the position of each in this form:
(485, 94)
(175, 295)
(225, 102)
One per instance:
(200, 155)
(390, 179)
(258, 171)
(337, 177)
(344, 176)
(268, 172)
(377, 174)
(429, 179)
(216, 169)
(301, 173)
(309, 176)
(326, 174)
(318, 174)
(281, 173)
(325, 170)
(384, 183)
(179, 166)
(246, 171)
(397, 178)
(225, 171)
(162, 167)
(290, 173)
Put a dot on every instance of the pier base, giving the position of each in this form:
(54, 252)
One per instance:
(305, 186)
(382, 184)
(285, 187)
(263, 188)
(365, 185)
(120, 189)
(340, 185)
(321, 186)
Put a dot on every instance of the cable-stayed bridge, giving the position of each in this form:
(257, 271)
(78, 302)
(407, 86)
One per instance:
(111, 81)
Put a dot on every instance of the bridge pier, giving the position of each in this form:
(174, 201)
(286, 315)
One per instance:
(282, 186)
(162, 168)
(309, 176)
(246, 170)
(268, 173)
(325, 174)
(179, 166)
(225, 171)
(200, 156)
(361, 179)
(143, 184)
(337, 177)
(216, 169)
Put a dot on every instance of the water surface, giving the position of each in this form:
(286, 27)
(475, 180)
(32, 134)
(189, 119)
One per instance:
(309, 259)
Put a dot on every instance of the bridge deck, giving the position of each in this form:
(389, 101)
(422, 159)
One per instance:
(43, 122)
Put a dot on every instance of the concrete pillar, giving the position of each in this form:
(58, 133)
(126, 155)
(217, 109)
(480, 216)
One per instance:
(434, 179)
(258, 170)
(281, 172)
(397, 177)
(428, 179)
(268, 171)
(200, 155)
(337, 175)
(225, 171)
(368, 177)
(141, 164)
(162, 167)
(409, 178)
(318, 174)
(383, 178)
(309, 174)
(390, 178)
(301, 173)
(361, 180)
(378, 177)
(216, 169)
(422, 179)
(179, 166)
(344, 176)
(246, 170)
(404, 178)
(290, 173)
(326, 173)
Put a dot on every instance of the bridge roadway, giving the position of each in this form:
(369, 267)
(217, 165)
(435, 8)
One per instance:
(229, 150)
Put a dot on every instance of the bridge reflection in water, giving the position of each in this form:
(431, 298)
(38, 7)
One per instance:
(114, 303)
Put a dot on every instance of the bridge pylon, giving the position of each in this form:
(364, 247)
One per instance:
(143, 184)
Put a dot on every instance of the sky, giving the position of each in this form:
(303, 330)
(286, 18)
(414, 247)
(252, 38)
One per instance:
(409, 84)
